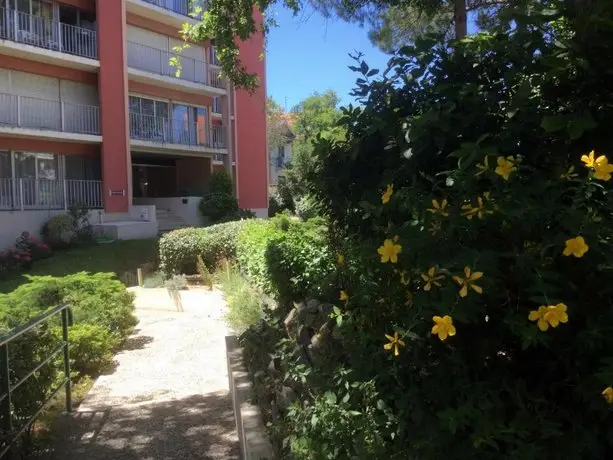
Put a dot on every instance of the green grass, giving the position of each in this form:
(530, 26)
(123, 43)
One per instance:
(117, 257)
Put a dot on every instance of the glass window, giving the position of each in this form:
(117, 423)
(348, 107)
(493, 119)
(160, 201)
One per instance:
(25, 165)
(47, 166)
(6, 171)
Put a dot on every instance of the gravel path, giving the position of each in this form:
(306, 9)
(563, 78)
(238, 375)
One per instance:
(168, 397)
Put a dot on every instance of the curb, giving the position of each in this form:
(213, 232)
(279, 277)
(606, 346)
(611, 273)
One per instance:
(252, 435)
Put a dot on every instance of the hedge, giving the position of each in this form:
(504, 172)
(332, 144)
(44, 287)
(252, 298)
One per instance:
(286, 258)
(180, 248)
(103, 319)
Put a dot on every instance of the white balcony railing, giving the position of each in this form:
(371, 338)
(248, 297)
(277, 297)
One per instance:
(172, 131)
(30, 112)
(44, 33)
(184, 7)
(26, 194)
(157, 61)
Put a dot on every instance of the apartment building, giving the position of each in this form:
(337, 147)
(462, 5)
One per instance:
(92, 112)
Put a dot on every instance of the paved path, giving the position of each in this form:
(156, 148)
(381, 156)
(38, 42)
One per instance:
(168, 397)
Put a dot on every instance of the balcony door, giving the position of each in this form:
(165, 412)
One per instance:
(35, 22)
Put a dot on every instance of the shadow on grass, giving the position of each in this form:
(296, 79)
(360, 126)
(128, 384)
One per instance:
(196, 427)
(118, 257)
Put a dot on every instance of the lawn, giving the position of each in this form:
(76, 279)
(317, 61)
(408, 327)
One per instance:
(117, 257)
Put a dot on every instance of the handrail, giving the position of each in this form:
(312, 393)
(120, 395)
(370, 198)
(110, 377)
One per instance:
(7, 388)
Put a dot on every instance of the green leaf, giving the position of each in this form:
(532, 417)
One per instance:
(330, 397)
(553, 123)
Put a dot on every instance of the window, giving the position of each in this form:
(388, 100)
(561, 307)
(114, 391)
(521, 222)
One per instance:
(281, 156)
(213, 56)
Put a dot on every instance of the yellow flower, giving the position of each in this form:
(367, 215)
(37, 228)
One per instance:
(483, 168)
(505, 167)
(467, 282)
(404, 279)
(608, 395)
(443, 327)
(602, 169)
(439, 208)
(570, 174)
(389, 251)
(539, 317)
(435, 227)
(576, 247)
(432, 278)
(551, 315)
(387, 195)
(588, 160)
(393, 343)
(478, 211)
(340, 259)
(556, 314)
(344, 297)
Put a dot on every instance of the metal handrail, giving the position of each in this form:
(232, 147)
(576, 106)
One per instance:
(183, 8)
(7, 387)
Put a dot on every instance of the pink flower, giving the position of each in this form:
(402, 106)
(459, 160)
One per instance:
(44, 246)
(27, 258)
(16, 256)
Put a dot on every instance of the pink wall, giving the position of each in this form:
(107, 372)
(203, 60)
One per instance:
(113, 93)
(251, 161)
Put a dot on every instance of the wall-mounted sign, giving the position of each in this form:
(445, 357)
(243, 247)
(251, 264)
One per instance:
(117, 193)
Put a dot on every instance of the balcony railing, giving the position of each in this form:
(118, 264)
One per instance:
(25, 194)
(175, 131)
(44, 33)
(184, 7)
(157, 61)
(30, 112)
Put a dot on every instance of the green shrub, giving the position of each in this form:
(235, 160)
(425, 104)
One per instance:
(221, 182)
(306, 208)
(103, 316)
(286, 258)
(58, 231)
(242, 300)
(179, 249)
(91, 348)
(218, 206)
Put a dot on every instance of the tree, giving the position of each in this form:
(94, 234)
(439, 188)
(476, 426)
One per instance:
(277, 126)
(226, 20)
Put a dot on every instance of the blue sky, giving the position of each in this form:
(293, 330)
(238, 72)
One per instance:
(309, 53)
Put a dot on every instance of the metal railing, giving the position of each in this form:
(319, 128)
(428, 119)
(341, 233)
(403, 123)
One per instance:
(9, 381)
(175, 131)
(30, 112)
(45, 33)
(158, 61)
(26, 194)
(184, 7)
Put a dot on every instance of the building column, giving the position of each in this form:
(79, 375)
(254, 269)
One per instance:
(251, 144)
(113, 94)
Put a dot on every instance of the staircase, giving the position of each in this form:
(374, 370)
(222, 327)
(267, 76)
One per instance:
(168, 221)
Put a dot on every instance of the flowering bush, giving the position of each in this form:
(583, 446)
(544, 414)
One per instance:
(27, 249)
(471, 213)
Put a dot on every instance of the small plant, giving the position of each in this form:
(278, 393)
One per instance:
(219, 207)
(221, 182)
(243, 301)
(204, 273)
(154, 280)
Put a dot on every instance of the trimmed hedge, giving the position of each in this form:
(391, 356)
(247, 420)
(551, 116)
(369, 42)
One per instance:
(285, 258)
(180, 248)
(103, 319)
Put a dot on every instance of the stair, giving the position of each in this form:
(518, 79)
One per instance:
(168, 221)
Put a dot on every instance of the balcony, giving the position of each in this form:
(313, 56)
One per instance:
(42, 194)
(172, 12)
(45, 34)
(193, 73)
(196, 136)
(21, 113)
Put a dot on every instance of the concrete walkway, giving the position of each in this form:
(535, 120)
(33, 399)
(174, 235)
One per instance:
(168, 397)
